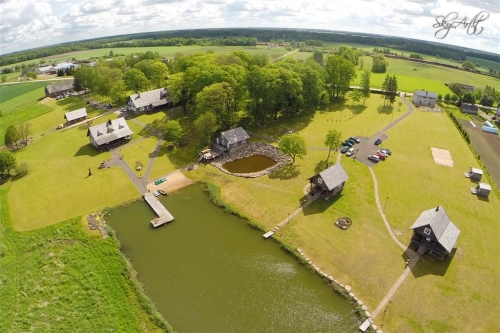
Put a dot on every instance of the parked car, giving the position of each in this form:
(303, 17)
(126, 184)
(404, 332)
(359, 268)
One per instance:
(58, 97)
(380, 156)
(354, 139)
(374, 158)
(386, 151)
(378, 141)
(109, 106)
(344, 149)
(351, 141)
(123, 110)
(380, 151)
(347, 143)
(350, 152)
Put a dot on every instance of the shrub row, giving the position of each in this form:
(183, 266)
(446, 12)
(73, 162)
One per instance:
(459, 126)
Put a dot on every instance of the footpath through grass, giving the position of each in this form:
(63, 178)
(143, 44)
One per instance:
(63, 279)
(458, 294)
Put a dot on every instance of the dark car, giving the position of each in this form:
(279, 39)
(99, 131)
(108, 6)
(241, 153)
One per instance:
(344, 149)
(347, 143)
(378, 141)
(374, 158)
(354, 139)
(386, 151)
(351, 141)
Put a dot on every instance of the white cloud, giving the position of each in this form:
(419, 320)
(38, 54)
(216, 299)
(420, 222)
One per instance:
(27, 24)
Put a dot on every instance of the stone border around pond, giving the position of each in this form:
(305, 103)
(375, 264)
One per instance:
(344, 290)
(252, 149)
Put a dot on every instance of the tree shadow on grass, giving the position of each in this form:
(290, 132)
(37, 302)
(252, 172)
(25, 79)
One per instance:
(337, 105)
(320, 205)
(385, 109)
(289, 122)
(87, 150)
(73, 103)
(288, 171)
(322, 165)
(429, 265)
(182, 155)
(357, 109)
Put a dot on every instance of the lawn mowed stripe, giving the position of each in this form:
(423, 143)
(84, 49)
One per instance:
(11, 91)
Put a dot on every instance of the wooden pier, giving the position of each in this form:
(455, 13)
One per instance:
(164, 215)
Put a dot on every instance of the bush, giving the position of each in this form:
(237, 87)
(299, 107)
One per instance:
(23, 169)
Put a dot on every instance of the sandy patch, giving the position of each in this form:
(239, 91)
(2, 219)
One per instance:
(442, 157)
(174, 182)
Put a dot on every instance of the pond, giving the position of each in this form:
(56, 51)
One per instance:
(249, 164)
(209, 271)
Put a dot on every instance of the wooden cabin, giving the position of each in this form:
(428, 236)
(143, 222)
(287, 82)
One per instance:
(329, 182)
(234, 138)
(149, 101)
(434, 233)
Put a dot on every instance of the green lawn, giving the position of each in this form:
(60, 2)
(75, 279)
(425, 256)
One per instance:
(61, 278)
(413, 183)
(11, 91)
(58, 188)
(139, 152)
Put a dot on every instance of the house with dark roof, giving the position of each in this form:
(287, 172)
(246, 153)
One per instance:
(149, 101)
(466, 87)
(76, 116)
(110, 134)
(425, 98)
(329, 182)
(234, 138)
(469, 108)
(434, 233)
(58, 88)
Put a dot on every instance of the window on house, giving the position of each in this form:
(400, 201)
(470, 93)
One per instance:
(427, 231)
(320, 181)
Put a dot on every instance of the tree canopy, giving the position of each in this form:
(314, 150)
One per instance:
(7, 161)
(333, 140)
(172, 131)
(293, 145)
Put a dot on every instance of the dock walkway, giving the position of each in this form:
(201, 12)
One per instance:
(164, 215)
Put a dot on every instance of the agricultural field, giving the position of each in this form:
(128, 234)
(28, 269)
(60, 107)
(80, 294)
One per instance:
(57, 278)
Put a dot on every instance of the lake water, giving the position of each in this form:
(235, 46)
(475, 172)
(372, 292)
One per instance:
(209, 271)
(249, 164)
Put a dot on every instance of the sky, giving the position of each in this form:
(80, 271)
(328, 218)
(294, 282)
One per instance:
(26, 24)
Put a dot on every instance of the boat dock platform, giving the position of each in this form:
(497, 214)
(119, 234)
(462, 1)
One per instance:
(268, 234)
(164, 215)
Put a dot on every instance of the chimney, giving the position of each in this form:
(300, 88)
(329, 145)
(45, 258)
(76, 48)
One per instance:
(437, 208)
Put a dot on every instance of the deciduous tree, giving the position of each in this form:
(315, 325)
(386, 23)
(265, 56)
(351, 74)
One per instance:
(332, 141)
(293, 145)
(205, 125)
(12, 136)
(135, 80)
(379, 64)
(24, 130)
(218, 99)
(339, 74)
(7, 161)
(172, 131)
(365, 85)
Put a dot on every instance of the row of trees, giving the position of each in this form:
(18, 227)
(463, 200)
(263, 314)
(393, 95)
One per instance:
(16, 135)
(486, 97)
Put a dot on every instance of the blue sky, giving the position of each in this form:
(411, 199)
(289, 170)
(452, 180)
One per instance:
(26, 24)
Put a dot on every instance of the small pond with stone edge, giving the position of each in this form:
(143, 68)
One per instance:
(249, 164)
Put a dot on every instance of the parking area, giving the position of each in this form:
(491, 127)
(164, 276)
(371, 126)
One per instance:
(367, 147)
(487, 146)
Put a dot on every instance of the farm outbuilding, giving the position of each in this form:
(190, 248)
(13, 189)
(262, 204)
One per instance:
(483, 189)
(329, 182)
(469, 108)
(76, 116)
(434, 233)
(56, 89)
(475, 174)
(425, 98)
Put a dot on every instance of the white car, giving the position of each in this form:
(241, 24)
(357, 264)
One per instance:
(374, 158)
(350, 152)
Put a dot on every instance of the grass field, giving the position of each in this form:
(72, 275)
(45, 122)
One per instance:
(413, 75)
(60, 163)
(62, 279)
(139, 152)
(467, 278)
